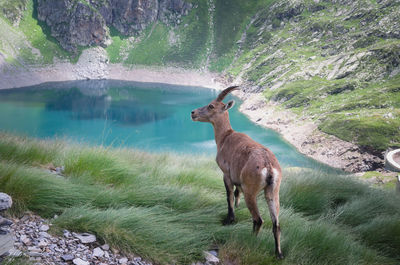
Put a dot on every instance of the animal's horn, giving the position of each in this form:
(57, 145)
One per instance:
(225, 92)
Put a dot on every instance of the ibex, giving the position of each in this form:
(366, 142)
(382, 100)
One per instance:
(246, 164)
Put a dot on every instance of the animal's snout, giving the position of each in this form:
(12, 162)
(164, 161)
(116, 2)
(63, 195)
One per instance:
(193, 115)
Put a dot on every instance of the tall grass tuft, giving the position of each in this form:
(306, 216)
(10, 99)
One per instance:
(170, 208)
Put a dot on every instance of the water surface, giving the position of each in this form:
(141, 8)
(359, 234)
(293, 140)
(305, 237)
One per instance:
(148, 116)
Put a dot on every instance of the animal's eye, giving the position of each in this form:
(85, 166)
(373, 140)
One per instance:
(211, 106)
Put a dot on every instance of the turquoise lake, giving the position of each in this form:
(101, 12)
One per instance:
(147, 116)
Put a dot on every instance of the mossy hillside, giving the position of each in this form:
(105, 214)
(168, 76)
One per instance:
(230, 21)
(169, 208)
(31, 39)
(306, 64)
(184, 44)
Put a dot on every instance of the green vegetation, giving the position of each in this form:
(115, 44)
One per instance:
(231, 19)
(303, 60)
(365, 113)
(118, 47)
(31, 42)
(170, 208)
(16, 261)
(152, 48)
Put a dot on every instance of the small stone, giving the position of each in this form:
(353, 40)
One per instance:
(98, 252)
(79, 261)
(105, 247)
(66, 233)
(44, 235)
(34, 254)
(42, 243)
(86, 238)
(123, 260)
(5, 222)
(67, 257)
(211, 258)
(213, 252)
(14, 253)
(24, 239)
(34, 249)
(44, 228)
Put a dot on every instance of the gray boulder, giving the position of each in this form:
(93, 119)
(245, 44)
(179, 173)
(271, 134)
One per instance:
(5, 201)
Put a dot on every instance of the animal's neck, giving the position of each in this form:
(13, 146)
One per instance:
(222, 127)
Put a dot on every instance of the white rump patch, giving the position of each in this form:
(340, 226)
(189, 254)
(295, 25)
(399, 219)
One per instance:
(264, 172)
(275, 173)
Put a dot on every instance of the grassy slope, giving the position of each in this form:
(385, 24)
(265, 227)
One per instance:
(355, 108)
(183, 45)
(30, 41)
(170, 208)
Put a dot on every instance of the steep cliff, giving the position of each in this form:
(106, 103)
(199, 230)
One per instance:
(84, 23)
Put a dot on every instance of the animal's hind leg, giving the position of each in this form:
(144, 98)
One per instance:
(251, 202)
(273, 206)
(229, 197)
(237, 196)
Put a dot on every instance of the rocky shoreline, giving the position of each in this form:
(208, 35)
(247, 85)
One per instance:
(305, 136)
(299, 131)
(93, 64)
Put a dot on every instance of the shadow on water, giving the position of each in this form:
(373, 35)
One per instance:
(149, 116)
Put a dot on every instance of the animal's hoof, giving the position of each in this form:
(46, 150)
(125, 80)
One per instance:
(228, 221)
(279, 256)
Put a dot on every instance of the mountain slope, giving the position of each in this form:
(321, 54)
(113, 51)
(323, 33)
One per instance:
(335, 63)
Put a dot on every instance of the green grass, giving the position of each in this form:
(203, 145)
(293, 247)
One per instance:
(38, 34)
(116, 49)
(361, 108)
(170, 208)
(231, 18)
(353, 111)
(152, 47)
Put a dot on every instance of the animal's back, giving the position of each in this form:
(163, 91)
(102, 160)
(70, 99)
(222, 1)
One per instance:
(238, 151)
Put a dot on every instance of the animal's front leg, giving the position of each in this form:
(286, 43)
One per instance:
(229, 197)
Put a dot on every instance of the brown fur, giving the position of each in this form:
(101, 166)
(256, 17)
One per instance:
(243, 162)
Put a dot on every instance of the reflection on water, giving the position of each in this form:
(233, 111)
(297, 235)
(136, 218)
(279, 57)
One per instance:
(150, 116)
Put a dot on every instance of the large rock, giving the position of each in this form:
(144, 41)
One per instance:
(79, 23)
(6, 243)
(73, 23)
(5, 201)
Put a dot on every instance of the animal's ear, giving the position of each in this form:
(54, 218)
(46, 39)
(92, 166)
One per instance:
(229, 104)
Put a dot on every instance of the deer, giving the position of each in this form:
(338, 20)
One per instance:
(246, 165)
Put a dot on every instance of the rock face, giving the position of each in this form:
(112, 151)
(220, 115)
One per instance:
(73, 23)
(79, 23)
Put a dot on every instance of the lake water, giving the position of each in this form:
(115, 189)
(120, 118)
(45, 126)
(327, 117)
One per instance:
(148, 116)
